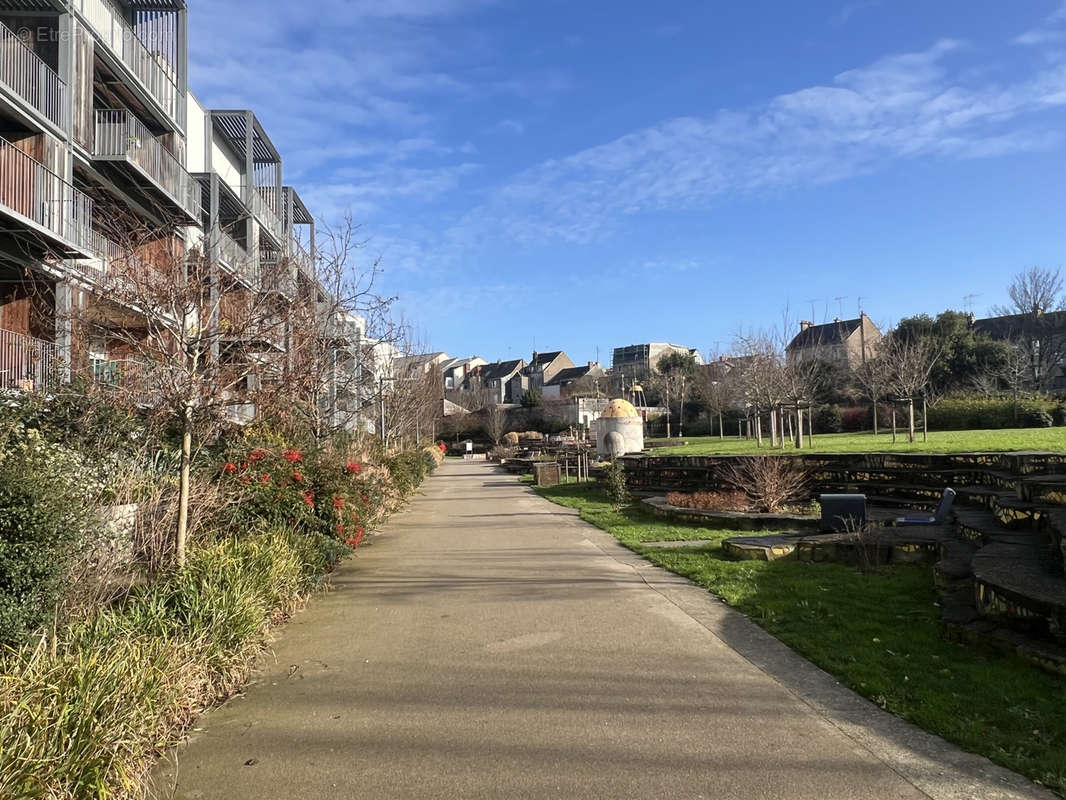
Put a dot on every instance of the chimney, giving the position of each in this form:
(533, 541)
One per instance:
(804, 325)
(1038, 312)
(836, 320)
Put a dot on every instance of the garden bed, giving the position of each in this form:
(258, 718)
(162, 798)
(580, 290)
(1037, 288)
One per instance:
(736, 520)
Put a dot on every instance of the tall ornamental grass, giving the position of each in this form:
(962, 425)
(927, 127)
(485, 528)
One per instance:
(86, 714)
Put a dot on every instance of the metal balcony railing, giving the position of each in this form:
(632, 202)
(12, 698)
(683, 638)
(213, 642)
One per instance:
(275, 273)
(112, 261)
(25, 75)
(121, 136)
(137, 378)
(31, 190)
(267, 216)
(237, 258)
(153, 71)
(28, 364)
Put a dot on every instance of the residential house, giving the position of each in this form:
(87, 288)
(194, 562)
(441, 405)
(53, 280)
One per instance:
(495, 379)
(1041, 335)
(565, 380)
(846, 343)
(544, 367)
(456, 371)
(423, 362)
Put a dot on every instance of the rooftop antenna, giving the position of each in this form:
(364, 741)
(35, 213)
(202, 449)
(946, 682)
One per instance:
(861, 298)
(968, 302)
(840, 303)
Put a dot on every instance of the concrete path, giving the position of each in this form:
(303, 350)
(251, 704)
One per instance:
(491, 645)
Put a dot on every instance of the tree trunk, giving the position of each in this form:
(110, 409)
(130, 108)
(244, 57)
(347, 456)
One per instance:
(758, 430)
(721, 429)
(893, 423)
(773, 427)
(925, 421)
(875, 418)
(667, 412)
(799, 428)
(910, 419)
(183, 487)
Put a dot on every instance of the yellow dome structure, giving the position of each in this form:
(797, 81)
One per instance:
(619, 430)
(619, 409)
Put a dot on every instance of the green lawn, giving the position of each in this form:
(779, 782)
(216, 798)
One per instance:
(878, 634)
(1053, 439)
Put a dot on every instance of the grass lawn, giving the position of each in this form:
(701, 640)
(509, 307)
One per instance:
(1053, 439)
(878, 634)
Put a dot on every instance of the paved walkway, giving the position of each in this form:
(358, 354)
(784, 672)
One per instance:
(491, 645)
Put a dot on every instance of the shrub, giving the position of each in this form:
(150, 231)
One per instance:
(86, 715)
(45, 504)
(770, 482)
(710, 501)
(856, 418)
(1035, 418)
(1058, 414)
(828, 419)
(614, 481)
(975, 412)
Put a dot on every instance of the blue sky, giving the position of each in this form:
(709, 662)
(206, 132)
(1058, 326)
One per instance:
(594, 174)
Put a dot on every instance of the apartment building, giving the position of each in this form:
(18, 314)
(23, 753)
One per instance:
(92, 143)
(109, 169)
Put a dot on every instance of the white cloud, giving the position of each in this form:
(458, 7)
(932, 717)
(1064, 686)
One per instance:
(1048, 32)
(512, 126)
(899, 107)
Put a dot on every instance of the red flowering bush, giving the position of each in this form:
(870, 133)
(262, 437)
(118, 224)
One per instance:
(328, 493)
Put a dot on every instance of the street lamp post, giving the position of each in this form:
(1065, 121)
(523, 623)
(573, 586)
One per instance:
(381, 396)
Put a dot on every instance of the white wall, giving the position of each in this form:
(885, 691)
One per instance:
(196, 134)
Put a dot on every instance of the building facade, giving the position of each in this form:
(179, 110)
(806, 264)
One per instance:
(113, 174)
(846, 343)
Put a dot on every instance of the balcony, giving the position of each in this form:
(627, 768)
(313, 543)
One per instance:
(120, 136)
(232, 255)
(53, 212)
(26, 81)
(267, 217)
(28, 364)
(110, 261)
(138, 380)
(152, 72)
(275, 274)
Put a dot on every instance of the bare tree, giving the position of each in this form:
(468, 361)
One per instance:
(800, 379)
(1033, 294)
(910, 365)
(169, 330)
(496, 422)
(719, 394)
(872, 378)
(762, 380)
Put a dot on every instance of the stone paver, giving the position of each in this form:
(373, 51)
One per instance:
(492, 645)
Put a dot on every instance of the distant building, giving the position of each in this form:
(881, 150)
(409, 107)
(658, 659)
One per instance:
(495, 378)
(565, 379)
(456, 370)
(408, 365)
(846, 343)
(544, 367)
(1041, 334)
(639, 361)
